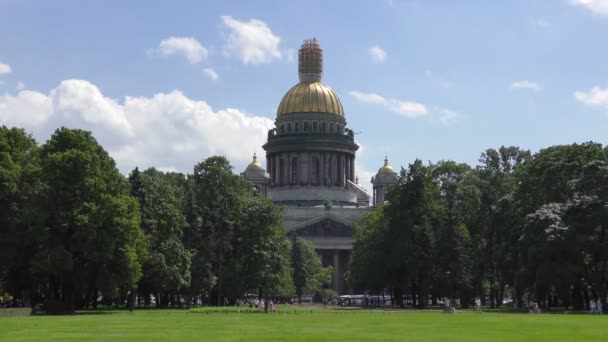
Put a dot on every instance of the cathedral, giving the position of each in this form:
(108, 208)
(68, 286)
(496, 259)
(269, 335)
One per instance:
(310, 167)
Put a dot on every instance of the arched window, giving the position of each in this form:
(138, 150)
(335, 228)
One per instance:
(288, 128)
(294, 171)
(315, 171)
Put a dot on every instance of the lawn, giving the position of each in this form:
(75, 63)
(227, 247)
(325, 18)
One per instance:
(303, 325)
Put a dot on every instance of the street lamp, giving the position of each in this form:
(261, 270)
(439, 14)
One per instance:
(266, 271)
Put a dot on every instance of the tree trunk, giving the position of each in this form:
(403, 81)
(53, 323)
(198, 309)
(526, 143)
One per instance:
(132, 298)
(413, 295)
(398, 296)
(67, 295)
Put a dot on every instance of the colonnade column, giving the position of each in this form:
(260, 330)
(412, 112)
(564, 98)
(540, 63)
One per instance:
(341, 170)
(269, 166)
(336, 271)
(348, 167)
(334, 169)
(323, 175)
(352, 168)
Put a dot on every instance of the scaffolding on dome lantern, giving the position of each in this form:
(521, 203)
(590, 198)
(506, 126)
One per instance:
(310, 61)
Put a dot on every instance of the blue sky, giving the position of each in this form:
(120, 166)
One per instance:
(170, 83)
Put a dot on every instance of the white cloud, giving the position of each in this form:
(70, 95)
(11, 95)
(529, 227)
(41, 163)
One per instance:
(599, 7)
(597, 97)
(251, 41)
(407, 109)
(20, 85)
(5, 69)
(377, 54)
(525, 85)
(212, 74)
(367, 97)
(182, 46)
(27, 109)
(167, 130)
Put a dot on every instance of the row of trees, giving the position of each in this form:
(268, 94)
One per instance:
(528, 227)
(76, 232)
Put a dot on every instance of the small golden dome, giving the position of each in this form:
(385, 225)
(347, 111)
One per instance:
(310, 97)
(387, 169)
(255, 166)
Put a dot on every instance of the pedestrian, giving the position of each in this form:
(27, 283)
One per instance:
(478, 305)
(598, 307)
(592, 306)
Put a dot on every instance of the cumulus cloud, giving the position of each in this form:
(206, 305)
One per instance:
(167, 130)
(212, 74)
(5, 69)
(251, 41)
(20, 85)
(368, 98)
(599, 7)
(377, 54)
(596, 96)
(525, 85)
(182, 46)
(407, 109)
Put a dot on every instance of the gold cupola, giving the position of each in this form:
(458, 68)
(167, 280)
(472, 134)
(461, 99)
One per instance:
(386, 169)
(310, 95)
(255, 165)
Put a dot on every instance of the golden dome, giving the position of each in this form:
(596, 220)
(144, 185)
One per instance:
(255, 166)
(310, 97)
(387, 169)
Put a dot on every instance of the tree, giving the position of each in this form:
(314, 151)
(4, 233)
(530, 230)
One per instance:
(560, 192)
(368, 267)
(318, 278)
(454, 247)
(234, 233)
(299, 270)
(92, 238)
(20, 226)
(497, 182)
(167, 269)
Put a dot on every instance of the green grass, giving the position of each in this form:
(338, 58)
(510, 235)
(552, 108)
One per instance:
(303, 325)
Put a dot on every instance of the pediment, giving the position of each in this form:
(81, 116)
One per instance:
(327, 225)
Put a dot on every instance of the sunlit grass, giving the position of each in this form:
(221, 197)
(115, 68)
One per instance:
(302, 324)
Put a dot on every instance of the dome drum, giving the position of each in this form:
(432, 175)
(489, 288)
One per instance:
(310, 154)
